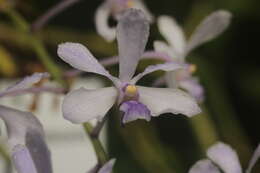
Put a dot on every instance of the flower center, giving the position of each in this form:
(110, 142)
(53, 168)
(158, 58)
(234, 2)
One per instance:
(131, 90)
(192, 68)
(130, 3)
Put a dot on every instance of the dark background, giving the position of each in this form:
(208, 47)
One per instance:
(228, 68)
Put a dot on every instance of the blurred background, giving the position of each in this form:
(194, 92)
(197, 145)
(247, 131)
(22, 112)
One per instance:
(228, 68)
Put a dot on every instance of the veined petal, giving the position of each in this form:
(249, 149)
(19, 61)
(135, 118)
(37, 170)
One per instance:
(79, 57)
(134, 110)
(132, 36)
(82, 105)
(173, 33)
(193, 87)
(209, 28)
(152, 68)
(101, 20)
(139, 4)
(254, 159)
(225, 157)
(39, 152)
(27, 141)
(22, 160)
(204, 166)
(18, 123)
(167, 100)
(160, 46)
(25, 83)
(107, 168)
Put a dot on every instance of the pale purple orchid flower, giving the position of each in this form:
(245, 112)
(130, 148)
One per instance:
(136, 102)
(26, 138)
(114, 8)
(178, 47)
(106, 168)
(223, 157)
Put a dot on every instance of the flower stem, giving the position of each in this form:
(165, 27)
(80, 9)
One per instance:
(204, 129)
(223, 112)
(34, 90)
(99, 149)
(52, 12)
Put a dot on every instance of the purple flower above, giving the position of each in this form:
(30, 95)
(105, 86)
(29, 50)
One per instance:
(115, 8)
(134, 110)
(179, 47)
(132, 34)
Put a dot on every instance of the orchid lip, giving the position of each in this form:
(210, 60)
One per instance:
(134, 110)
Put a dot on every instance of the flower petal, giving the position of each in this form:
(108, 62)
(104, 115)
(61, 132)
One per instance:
(39, 152)
(26, 139)
(101, 20)
(169, 66)
(134, 110)
(209, 28)
(254, 159)
(225, 157)
(173, 33)
(25, 83)
(139, 4)
(160, 46)
(107, 168)
(204, 166)
(193, 87)
(79, 57)
(167, 100)
(82, 105)
(22, 160)
(132, 36)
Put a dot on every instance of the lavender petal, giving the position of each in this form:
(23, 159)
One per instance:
(25, 83)
(39, 152)
(193, 87)
(132, 36)
(169, 66)
(204, 166)
(134, 110)
(79, 57)
(107, 168)
(22, 160)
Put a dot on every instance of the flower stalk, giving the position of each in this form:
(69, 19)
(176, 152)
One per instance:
(204, 129)
(93, 133)
(52, 12)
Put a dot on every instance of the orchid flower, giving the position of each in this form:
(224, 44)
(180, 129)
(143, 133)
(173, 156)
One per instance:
(222, 156)
(114, 8)
(178, 47)
(26, 138)
(136, 102)
(106, 168)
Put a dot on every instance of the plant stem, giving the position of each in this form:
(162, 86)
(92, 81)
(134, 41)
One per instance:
(204, 129)
(52, 12)
(100, 151)
(36, 45)
(55, 35)
(224, 115)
